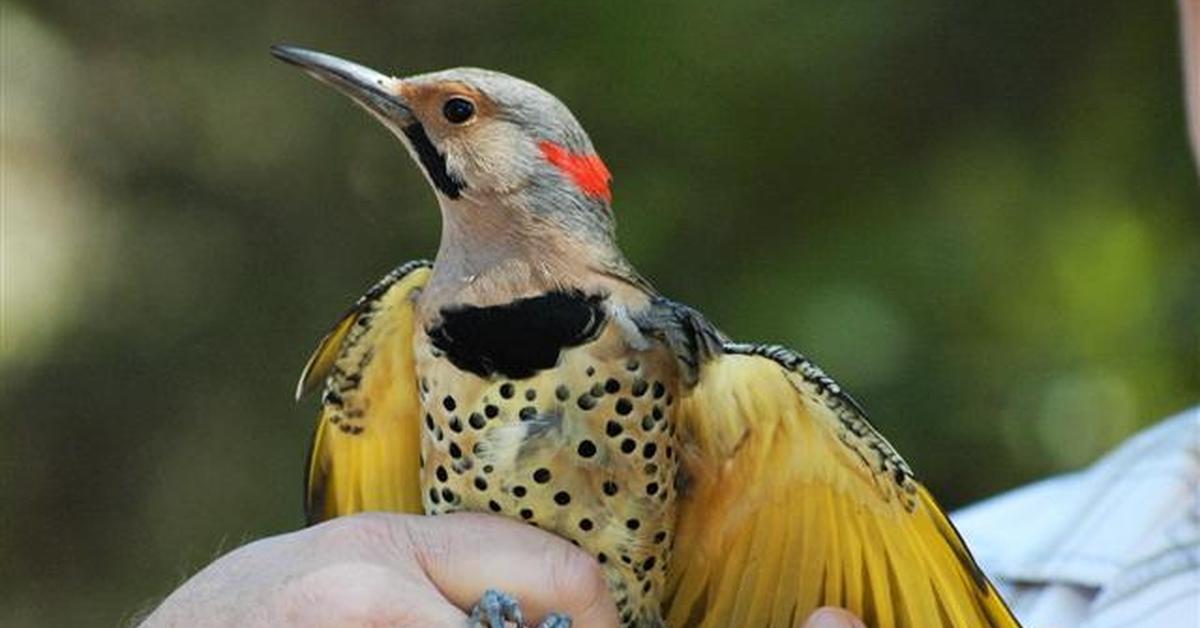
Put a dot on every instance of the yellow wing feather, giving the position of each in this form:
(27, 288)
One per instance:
(365, 450)
(321, 362)
(793, 502)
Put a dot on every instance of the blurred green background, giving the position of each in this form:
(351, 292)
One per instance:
(982, 218)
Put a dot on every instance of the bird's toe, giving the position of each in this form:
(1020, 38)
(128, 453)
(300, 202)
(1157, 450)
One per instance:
(494, 609)
(556, 620)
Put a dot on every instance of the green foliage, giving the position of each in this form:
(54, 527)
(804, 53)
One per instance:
(982, 219)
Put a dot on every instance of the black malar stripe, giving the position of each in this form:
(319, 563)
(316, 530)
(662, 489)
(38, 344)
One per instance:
(433, 161)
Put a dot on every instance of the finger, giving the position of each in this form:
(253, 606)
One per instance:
(361, 594)
(829, 617)
(467, 554)
(358, 570)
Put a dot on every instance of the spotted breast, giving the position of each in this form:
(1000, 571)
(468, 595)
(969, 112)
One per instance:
(554, 411)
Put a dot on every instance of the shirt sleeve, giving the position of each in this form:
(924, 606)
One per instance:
(1116, 544)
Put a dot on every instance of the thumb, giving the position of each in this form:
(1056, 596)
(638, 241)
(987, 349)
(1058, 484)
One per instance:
(829, 617)
(466, 554)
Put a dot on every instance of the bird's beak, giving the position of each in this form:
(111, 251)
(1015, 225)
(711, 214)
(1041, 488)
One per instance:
(375, 92)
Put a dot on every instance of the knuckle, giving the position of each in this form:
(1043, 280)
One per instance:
(429, 543)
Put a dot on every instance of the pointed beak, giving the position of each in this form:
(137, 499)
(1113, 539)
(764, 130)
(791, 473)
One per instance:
(375, 92)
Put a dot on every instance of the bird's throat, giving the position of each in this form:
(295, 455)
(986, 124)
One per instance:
(492, 253)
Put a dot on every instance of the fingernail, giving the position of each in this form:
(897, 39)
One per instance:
(832, 618)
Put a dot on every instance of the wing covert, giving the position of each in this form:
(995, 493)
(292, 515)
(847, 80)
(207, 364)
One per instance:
(793, 501)
(366, 445)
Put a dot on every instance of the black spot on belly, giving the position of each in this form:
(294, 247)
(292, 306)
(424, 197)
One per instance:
(517, 339)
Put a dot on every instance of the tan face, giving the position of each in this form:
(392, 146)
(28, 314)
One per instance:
(482, 148)
(481, 137)
(446, 107)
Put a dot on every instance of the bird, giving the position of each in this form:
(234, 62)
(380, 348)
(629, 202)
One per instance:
(529, 371)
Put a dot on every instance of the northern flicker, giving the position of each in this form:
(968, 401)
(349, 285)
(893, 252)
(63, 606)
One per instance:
(529, 371)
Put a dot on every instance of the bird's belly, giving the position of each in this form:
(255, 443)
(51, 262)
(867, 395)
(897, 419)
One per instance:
(585, 450)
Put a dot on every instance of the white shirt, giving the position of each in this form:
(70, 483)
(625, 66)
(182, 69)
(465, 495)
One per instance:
(1114, 545)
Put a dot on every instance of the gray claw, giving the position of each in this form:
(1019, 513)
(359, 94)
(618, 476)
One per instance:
(556, 620)
(494, 609)
(497, 608)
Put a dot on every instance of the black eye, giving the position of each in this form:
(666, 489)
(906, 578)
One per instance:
(458, 110)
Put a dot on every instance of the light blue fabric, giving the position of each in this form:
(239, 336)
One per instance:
(1116, 544)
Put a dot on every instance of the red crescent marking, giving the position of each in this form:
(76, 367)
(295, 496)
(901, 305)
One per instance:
(587, 171)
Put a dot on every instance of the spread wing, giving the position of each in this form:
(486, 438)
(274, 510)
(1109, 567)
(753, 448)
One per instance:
(792, 501)
(365, 450)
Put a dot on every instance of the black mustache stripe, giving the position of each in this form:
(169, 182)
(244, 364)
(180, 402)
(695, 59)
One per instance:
(433, 161)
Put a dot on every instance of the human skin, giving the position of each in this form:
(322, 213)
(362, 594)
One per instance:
(1189, 20)
(380, 569)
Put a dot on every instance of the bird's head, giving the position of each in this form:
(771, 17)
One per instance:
(494, 147)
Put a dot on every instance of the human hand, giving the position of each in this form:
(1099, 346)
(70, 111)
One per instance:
(396, 570)
(400, 570)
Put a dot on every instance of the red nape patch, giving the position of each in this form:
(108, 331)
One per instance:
(587, 171)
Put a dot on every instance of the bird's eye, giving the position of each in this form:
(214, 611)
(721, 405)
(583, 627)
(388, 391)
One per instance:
(458, 110)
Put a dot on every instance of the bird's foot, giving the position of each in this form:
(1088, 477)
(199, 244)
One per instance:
(496, 608)
(556, 620)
